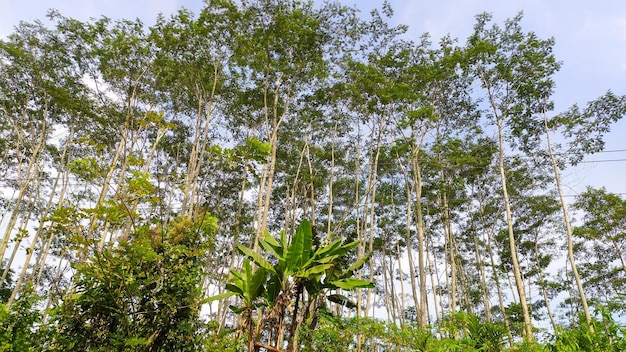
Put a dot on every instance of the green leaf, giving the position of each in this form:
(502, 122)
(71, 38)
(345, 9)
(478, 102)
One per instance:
(271, 245)
(351, 284)
(235, 289)
(220, 296)
(237, 310)
(272, 289)
(356, 265)
(255, 286)
(283, 241)
(328, 248)
(315, 270)
(306, 231)
(346, 248)
(257, 258)
(236, 275)
(250, 287)
(327, 259)
(296, 252)
(341, 299)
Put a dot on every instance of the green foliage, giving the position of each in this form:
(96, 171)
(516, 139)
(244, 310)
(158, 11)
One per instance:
(468, 334)
(339, 334)
(143, 295)
(529, 346)
(6, 286)
(86, 168)
(603, 334)
(20, 325)
(603, 232)
(485, 336)
(298, 261)
(223, 340)
(470, 331)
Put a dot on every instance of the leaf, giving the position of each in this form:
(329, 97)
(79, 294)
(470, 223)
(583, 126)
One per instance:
(283, 241)
(272, 289)
(236, 275)
(356, 265)
(271, 245)
(237, 310)
(220, 296)
(346, 248)
(251, 287)
(306, 231)
(351, 284)
(255, 286)
(235, 289)
(327, 259)
(330, 247)
(295, 251)
(271, 240)
(257, 258)
(341, 299)
(315, 270)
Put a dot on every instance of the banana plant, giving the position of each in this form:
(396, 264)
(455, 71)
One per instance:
(299, 262)
(279, 283)
(249, 285)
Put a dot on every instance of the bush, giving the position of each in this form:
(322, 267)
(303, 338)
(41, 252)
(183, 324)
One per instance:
(20, 325)
(602, 334)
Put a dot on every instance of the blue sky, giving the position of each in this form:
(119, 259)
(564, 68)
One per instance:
(590, 40)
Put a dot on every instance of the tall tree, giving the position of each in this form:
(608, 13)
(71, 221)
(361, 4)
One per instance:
(515, 71)
(584, 131)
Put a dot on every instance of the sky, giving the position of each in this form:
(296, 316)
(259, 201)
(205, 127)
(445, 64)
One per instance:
(590, 41)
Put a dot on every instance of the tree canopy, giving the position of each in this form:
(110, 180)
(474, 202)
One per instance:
(288, 175)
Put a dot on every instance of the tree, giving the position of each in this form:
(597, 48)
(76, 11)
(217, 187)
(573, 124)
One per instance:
(601, 244)
(143, 295)
(515, 71)
(585, 131)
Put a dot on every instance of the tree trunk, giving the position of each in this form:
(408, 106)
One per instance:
(517, 273)
(568, 226)
(422, 318)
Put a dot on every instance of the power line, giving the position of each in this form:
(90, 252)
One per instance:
(601, 161)
(75, 177)
(576, 195)
(611, 151)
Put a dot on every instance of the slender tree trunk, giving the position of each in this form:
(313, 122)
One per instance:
(41, 264)
(422, 318)
(483, 279)
(388, 289)
(401, 274)
(568, 226)
(447, 230)
(51, 296)
(206, 108)
(357, 207)
(40, 229)
(517, 273)
(494, 272)
(453, 265)
(24, 182)
(330, 184)
(543, 289)
(432, 271)
(103, 193)
(31, 249)
(372, 187)
(409, 243)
